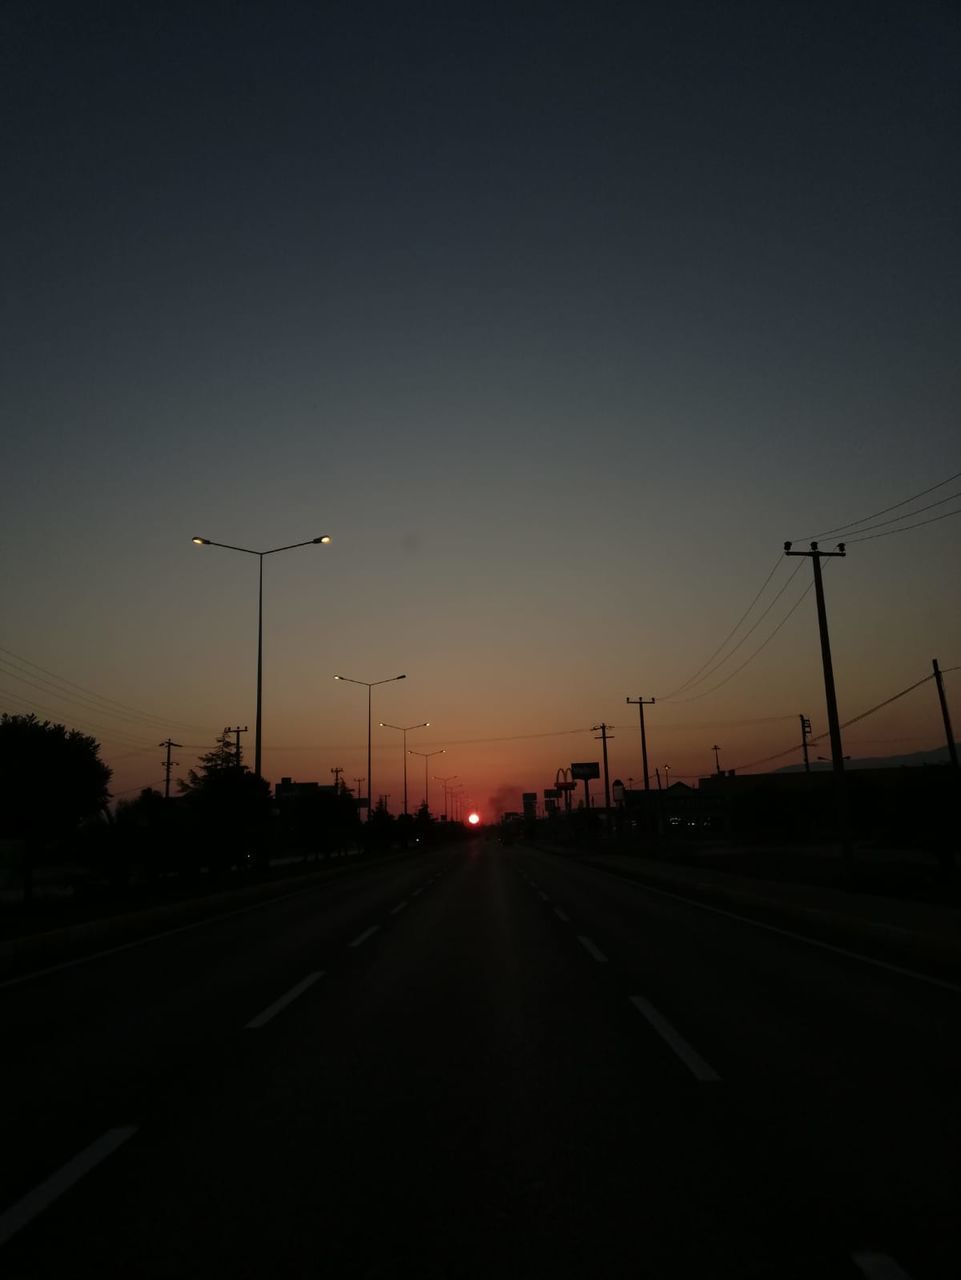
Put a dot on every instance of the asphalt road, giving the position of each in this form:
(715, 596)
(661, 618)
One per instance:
(481, 1062)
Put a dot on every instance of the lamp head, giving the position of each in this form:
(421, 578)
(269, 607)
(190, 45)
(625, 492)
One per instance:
(324, 538)
(201, 542)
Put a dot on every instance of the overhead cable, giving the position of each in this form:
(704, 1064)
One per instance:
(691, 679)
(905, 528)
(762, 645)
(883, 512)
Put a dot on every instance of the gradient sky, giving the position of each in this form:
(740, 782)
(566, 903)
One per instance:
(558, 318)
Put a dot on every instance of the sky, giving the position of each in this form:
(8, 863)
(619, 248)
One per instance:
(558, 318)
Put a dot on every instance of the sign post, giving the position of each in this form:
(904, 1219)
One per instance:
(583, 772)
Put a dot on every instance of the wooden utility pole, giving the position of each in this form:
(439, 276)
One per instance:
(607, 781)
(717, 760)
(237, 731)
(337, 771)
(834, 725)
(640, 703)
(168, 764)
(805, 731)
(939, 681)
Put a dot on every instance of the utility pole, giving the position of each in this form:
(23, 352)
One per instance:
(805, 731)
(939, 681)
(359, 781)
(830, 697)
(607, 783)
(717, 763)
(168, 765)
(236, 731)
(337, 771)
(640, 704)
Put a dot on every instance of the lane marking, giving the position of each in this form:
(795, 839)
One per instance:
(362, 937)
(394, 911)
(562, 915)
(417, 891)
(273, 1009)
(784, 933)
(878, 1266)
(689, 1056)
(40, 1198)
(151, 937)
(591, 949)
(165, 933)
(543, 896)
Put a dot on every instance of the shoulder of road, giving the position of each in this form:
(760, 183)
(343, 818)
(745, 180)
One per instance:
(916, 935)
(35, 950)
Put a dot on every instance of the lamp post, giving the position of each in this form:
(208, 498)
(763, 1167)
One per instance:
(404, 729)
(450, 778)
(426, 757)
(369, 685)
(208, 542)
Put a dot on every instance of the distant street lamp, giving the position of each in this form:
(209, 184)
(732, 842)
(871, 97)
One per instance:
(208, 542)
(369, 685)
(426, 757)
(404, 729)
(450, 778)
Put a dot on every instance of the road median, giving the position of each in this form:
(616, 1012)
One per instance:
(914, 935)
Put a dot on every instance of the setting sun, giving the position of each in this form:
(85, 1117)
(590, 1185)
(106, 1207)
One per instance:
(473, 819)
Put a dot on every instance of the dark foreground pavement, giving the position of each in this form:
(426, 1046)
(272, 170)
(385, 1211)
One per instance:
(491, 1062)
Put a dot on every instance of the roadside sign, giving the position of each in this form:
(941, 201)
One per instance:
(552, 793)
(586, 770)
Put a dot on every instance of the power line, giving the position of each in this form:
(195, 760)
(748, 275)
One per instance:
(883, 512)
(908, 514)
(905, 528)
(747, 661)
(863, 715)
(136, 711)
(750, 631)
(81, 722)
(691, 679)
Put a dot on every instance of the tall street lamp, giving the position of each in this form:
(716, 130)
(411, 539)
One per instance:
(369, 685)
(404, 729)
(208, 542)
(426, 757)
(450, 778)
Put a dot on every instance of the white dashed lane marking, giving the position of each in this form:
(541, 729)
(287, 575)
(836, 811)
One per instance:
(272, 1010)
(691, 1059)
(362, 937)
(40, 1198)
(591, 950)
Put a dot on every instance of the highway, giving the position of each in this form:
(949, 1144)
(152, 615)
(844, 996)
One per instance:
(482, 1061)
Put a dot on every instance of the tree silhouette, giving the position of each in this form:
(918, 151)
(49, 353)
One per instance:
(51, 779)
(229, 805)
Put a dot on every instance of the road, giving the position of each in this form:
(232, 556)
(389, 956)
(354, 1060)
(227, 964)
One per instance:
(480, 1062)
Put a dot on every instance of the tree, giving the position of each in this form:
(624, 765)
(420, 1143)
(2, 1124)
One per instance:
(230, 806)
(51, 780)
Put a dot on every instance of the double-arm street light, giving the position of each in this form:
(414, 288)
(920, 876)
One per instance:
(369, 685)
(404, 729)
(426, 757)
(208, 542)
(447, 788)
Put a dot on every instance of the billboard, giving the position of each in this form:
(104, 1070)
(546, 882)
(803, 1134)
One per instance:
(529, 799)
(586, 770)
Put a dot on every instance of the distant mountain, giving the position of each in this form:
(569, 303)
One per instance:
(937, 755)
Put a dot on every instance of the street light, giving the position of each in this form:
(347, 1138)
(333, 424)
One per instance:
(404, 729)
(450, 778)
(209, 542)
(426, 757)
(370, 684)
